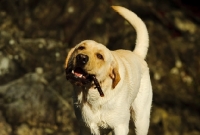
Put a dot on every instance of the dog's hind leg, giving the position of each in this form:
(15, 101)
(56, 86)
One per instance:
(142, 106)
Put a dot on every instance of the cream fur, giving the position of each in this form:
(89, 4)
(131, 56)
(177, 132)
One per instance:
(132, 92)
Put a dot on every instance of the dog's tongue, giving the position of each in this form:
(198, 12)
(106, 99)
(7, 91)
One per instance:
(78, 73)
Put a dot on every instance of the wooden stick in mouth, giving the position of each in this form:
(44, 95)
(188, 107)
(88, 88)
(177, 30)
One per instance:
(97, 85)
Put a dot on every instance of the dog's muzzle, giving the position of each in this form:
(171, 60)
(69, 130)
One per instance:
(78, 76)
(76, 73)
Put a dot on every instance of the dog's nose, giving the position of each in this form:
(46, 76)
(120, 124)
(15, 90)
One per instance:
(82, 59)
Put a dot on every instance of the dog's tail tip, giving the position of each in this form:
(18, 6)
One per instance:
(117, 8)
(114, 7)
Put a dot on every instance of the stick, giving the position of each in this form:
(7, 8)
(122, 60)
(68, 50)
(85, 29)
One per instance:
(97, 86)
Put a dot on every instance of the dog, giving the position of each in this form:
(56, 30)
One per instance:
(112, 86)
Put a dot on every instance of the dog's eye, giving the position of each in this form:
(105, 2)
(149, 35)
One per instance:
(81, 48)
(99, 56)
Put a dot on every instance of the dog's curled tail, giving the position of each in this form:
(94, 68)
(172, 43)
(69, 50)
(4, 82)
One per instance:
(142, 41)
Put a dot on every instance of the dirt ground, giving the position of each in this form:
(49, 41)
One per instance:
(36, 35)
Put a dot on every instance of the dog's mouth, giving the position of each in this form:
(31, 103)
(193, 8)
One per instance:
(79, 73)
(80, 77)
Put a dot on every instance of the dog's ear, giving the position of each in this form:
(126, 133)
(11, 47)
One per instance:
(68, 57)
(114, 74)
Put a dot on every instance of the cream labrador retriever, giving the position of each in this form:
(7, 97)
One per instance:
(111, 86)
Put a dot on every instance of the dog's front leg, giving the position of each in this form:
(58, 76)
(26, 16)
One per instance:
(121, 130)
(94, 129)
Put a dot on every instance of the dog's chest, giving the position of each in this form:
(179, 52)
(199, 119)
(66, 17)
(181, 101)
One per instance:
(99, 116)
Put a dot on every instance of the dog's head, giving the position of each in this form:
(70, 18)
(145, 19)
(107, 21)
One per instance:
(90, 58)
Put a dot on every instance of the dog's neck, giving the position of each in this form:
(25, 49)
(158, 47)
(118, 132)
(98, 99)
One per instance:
(89, 95)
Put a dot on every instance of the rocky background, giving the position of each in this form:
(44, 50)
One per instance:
(35, 37)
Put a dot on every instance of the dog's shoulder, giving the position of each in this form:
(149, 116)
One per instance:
(130, 63)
